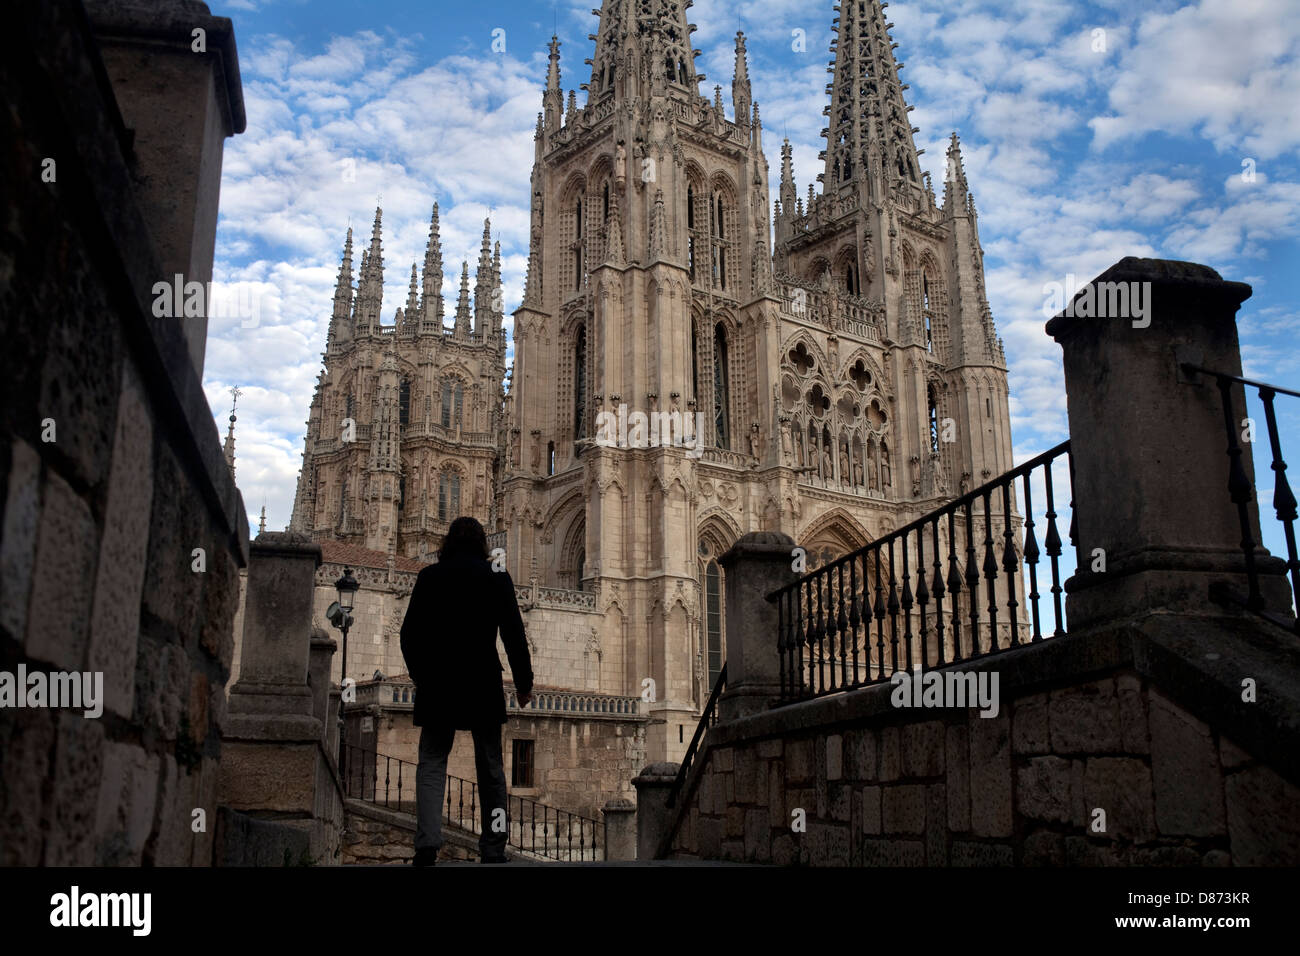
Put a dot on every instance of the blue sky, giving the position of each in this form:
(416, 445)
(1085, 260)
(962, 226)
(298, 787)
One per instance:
(1077, 156)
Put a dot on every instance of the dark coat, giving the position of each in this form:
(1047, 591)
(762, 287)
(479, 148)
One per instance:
(449, 641)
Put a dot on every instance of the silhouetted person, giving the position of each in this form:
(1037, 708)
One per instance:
(449, 641)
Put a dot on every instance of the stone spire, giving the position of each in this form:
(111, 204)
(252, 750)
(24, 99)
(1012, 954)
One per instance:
(483, 285)
(955, 188)
(411, 315)
(228, 446)
(261, 524)
(553, 98)
(342, 297)
(867, 111)
(430, 307)
(658, 228)
(644, 36)
(462, 304)
(741, 96)
(370, 288)
(614, 245)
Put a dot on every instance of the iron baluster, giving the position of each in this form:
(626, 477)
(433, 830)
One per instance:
(893, 611)
(990, 572)
(1010, 564)
(1053, 543)
(938, 597)
(906, 604)
(972, 579)
(1031, 559)
(1284, 502)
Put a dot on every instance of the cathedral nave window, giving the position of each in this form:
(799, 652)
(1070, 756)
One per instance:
(934, 420)
(721, 388)
(580, 384)
(404, 403)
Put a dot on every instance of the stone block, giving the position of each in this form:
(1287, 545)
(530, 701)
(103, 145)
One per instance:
(175, 592)
(1085, 719)
(268, 776)
(1263, 823)
(776, 802)
(936, 825)
(871, 817)
(709, 838)
(758, 836)
(1230, 755)
(768, 749)
(840, 802)
(724, 759)
(18, 537)
(890, 758)
(892, 853)
(903, 809)
(1043, 789)
(785, 851)
(78, 769)
(1132, 714)
(734, 825)
(162, 686)
(1029, 726)
(860, 754)
(59, 613)
(119, 577)
(956, 760)
(990, 776)
(128, 789)
(1044, 848)
(1122, 787)
(1185, 773)
(835, 757)
(1081, 851)
(825, 845)
(26, 744)
(799, 761)
(966, 853)
(922, 749)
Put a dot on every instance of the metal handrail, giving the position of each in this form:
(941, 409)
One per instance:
(708, 718)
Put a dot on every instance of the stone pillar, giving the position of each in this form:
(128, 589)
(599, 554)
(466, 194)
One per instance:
(757, 564)
(321, 655)
(1150, 472)
(620, 829)
(652, 811)
(175, 75)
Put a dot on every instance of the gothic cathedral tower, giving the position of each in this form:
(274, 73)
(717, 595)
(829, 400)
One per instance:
(835, 399)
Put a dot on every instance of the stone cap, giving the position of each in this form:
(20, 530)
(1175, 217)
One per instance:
(1191, 279)
(285, 544)
(618, 805)
(175, 20)
(759, 544)
(656, 774)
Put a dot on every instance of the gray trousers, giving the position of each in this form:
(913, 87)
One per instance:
(431, 789)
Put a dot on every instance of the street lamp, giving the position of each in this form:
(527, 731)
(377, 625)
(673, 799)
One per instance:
(340, 615)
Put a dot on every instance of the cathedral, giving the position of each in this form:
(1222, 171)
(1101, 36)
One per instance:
(836, 365)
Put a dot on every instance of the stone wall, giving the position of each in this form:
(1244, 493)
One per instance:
(111, 469)
(881, 786)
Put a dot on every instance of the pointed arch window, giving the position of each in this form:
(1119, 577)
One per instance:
(448, 496)
(580, 384)
(713, 619)
(926, 312)
(404, 402)
(343, 501)
(460, 400)
(719, 212)
(690, 230)
(579, 254)
(934, 419)
(446, 403)
(721, 388)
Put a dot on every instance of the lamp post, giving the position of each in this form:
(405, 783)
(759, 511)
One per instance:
(341, 617)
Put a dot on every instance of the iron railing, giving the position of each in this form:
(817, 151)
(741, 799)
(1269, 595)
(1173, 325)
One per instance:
(1241, 493)
(532, 827)
(707, 719)
(924, 599)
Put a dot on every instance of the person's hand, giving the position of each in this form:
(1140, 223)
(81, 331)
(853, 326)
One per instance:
(524, 699)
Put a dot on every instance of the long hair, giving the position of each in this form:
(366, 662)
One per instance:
(466, 538)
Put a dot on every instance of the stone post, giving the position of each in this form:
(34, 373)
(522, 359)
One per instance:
(321, 655)
(757, 564)
(620, 829)
(1150, 472)
(175, 75)
(652, 811)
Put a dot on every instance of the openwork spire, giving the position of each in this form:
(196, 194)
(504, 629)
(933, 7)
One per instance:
(643, 36)
(430, 307)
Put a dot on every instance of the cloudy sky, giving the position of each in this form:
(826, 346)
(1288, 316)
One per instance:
(1090, 132)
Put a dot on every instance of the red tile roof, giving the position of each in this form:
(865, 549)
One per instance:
(340, 552)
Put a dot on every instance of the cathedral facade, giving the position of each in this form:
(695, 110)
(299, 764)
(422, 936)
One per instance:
(832, 359)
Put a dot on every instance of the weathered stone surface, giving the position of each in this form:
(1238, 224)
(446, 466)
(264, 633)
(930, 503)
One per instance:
(18, 538)
(825, 845)
(776, 802)
(268, 778)
(1085, 719)
(128, 789)
(890, 757)
(834, 757)
(119, 579)
(709, 837)
(956, 759)
(1230, 755)
(59, 613)
(923, 746)
(734, 823)
(903, 808)
(724, 759)
(1262, 825)
(966, 853)
(1217, 858)
(860, 754)
(1132, 714)
(936, 825)
(990, 776)
(26, 745)
(1044, 848)
(1029, 725)
(758, 836)
(78, 769)
(748, 786)
(1043, 789)
(174, 593)
(1081, 851)
(1122, 787)
(785, 850)
(871, 821)
(799, 761)
(892, 853)
(162, 686)
(771, 748)
(1185, 772)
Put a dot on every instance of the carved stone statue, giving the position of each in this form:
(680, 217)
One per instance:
(886, 478)
(828, 466)
(787, 450)
(857, 473)
(871, 473)
(846, 476)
